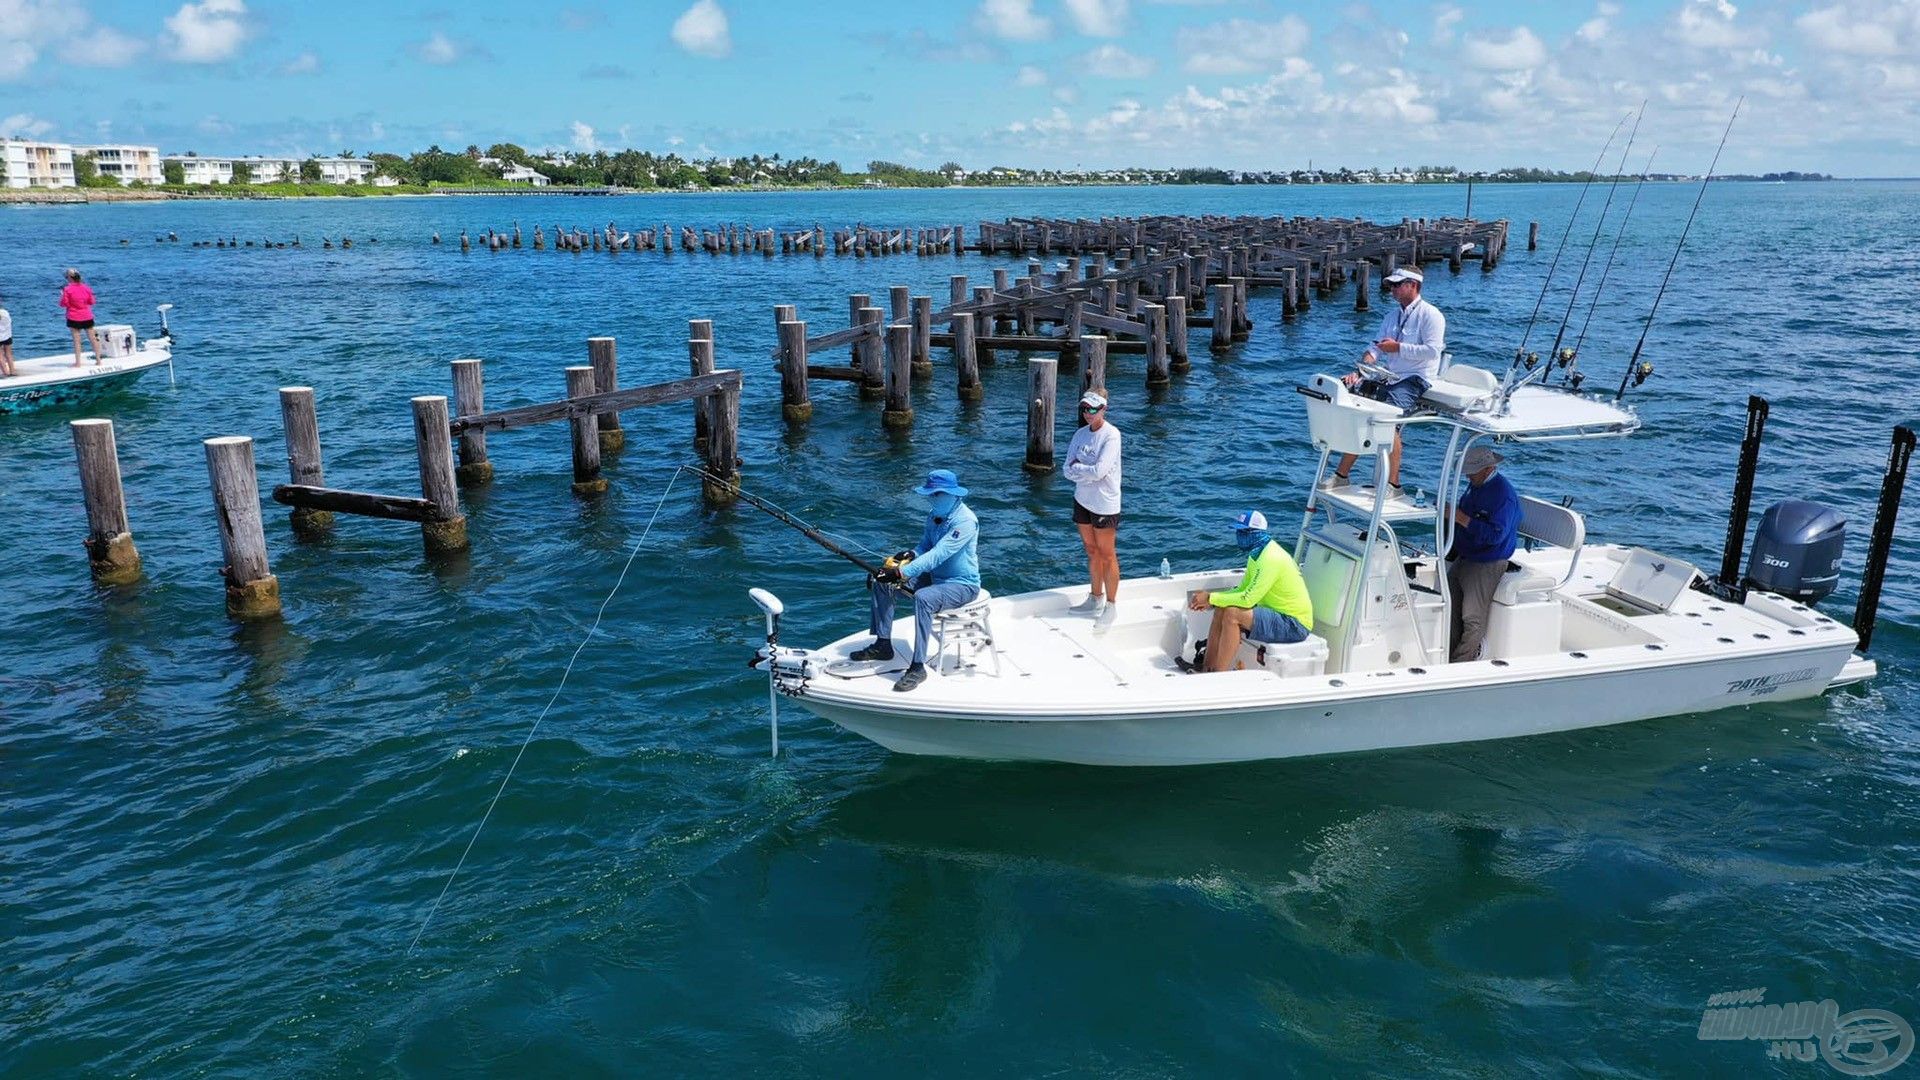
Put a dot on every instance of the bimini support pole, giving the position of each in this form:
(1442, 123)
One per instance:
(1868, 608)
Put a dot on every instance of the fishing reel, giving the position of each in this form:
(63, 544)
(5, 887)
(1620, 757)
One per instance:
(1574, 380)
(1564, 356)
(1532, 360)
(1643, 372)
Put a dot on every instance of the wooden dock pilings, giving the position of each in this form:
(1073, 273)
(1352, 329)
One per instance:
(109, 541)
(252, 590)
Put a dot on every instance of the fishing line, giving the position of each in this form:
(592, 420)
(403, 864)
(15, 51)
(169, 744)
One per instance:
(1553, 354)
(1607, 270)
(1634, 360)
(528, 741)
(1591, 173)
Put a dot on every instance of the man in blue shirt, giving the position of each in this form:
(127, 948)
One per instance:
(944, 569)
(1486, 528)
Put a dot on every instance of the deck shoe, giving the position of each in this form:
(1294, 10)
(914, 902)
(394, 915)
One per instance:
(1395, 491)
(1090, 604)
(1106, 612)
(879, 650)
(911, 678)
(1334, 482)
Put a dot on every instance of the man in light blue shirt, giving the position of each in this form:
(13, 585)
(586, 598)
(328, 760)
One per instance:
(944, 569)
(1412, 337)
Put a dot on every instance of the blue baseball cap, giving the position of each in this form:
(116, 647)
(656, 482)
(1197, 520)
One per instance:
(942, 480)
(1250, 519)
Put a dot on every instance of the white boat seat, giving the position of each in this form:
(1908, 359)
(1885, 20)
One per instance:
(963, 633)
(1462, 387)
(1308, 657)
(1344, 422)
(1521, 585)
(1559, 526)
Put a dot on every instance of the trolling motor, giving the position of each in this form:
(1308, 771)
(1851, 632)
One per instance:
(787, 669)
(165, 330)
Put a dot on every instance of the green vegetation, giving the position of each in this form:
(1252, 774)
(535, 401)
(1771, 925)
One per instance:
(86, 173)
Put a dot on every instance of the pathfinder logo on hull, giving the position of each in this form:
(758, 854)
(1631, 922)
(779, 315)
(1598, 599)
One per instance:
(1762, 685)
(1865, 1042)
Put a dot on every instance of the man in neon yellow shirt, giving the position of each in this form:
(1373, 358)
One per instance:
(1271, 603)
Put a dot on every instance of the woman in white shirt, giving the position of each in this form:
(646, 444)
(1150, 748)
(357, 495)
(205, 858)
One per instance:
(1093, 464)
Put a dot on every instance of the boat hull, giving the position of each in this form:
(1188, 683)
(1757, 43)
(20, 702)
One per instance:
(51, 381)
(1454, 712)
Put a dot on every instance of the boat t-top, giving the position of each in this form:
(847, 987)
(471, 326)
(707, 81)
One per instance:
(1581, 633)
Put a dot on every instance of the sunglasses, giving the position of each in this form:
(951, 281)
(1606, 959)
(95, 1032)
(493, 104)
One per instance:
(1092, 408)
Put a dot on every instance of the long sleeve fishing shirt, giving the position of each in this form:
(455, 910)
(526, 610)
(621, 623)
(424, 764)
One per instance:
(1093, 464)
(1422, 333)
(1492, 530)
(949, 549)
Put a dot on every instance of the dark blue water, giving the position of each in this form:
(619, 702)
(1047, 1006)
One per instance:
(216, 842)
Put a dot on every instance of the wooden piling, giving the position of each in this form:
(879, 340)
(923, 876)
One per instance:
(1042, 385)
(1222, 305)
(956, 290)
(109, 541)
(700, 362)
(1179, 362)
(1156, 320)
(856, 303)
(302, 427)
(470, 399)
(923, 337)
(603, 355)
(1533, 235)
(794, 404)
(1093, 349)
(722, 485)
(965, 360)
(252, 590)
(1361, 274)
(899, 408)
(873, 374)
(1242, 317)
(448, 534)
(586, 436)
(986, 322)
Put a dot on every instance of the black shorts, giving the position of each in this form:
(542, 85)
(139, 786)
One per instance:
(4, 344)
(79, 324)
(1084, 516)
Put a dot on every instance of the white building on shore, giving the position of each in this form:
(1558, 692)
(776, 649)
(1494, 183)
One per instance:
(125, 163)
(37, 164)
(344, 170)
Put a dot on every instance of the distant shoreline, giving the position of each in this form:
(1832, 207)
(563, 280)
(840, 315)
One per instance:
(84, 196)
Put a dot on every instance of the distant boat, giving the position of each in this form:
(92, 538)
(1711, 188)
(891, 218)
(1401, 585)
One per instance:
(42, 382)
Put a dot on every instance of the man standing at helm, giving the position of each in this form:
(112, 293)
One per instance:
(1486, 529)
(1412, 337)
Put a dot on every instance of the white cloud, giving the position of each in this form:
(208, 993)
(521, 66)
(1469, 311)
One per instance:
(207, 32)
(1030, 76)
(1713, 24)
(583, 137)
(1014, 20)
(702, 30)
(23, 126)
(307, 63)
(1114, 62)
(1098, 18)
(1517, 49)
(1445, 18)
(1241, 47)
(439, 50)
(28, 25)
(1600, 25)
(1855, 29)
(103, 47)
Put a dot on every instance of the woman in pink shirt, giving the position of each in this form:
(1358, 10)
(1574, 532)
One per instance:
(78, 300)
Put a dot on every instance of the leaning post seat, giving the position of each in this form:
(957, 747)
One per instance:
(1461, 388)
(961, 633)
(1344, 422)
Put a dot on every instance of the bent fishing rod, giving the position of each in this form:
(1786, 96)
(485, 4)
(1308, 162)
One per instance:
(805, 529)
(1635, 372)
(1568, 231)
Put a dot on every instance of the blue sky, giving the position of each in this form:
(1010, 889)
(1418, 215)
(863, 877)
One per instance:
(1832, 85)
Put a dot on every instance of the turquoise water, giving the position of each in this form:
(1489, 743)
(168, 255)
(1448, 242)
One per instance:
(216, 842)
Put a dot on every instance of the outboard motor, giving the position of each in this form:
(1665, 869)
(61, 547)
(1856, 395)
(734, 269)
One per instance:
(1796, 551)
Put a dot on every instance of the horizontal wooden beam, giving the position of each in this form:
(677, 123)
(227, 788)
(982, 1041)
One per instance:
(698, 386)
(364, 503)
(833, 373)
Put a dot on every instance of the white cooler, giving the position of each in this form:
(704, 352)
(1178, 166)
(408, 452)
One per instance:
(116, 340)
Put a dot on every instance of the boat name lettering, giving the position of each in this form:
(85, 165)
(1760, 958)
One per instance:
(1865, 1042)
(1761, 685)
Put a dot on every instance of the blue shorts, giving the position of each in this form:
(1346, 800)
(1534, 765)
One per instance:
(1276, 629)
(1402, 395)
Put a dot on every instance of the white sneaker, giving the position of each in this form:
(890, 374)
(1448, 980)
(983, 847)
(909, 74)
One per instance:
(1100, 607)
(1107, 612)
(1090, 604)
(1334, 482)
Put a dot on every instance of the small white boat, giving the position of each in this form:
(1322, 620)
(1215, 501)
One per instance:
(1581, 634)
(45, 381)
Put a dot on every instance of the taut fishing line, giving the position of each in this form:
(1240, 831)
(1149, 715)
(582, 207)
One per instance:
(528, 741)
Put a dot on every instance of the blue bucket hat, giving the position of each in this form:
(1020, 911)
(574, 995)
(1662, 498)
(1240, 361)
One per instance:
(942, 480)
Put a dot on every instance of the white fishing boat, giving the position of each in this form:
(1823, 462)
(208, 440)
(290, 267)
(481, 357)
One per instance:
(1581, 633)
(44, 381)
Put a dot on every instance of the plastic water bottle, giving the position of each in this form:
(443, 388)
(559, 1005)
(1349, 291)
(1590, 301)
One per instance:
(1166, 568)
(1419, 496)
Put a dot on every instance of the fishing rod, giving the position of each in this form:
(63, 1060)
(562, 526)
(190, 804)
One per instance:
(805, 529)
(1553, 355)
(1635, 370)
(1573, 376)
(1542, 298)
